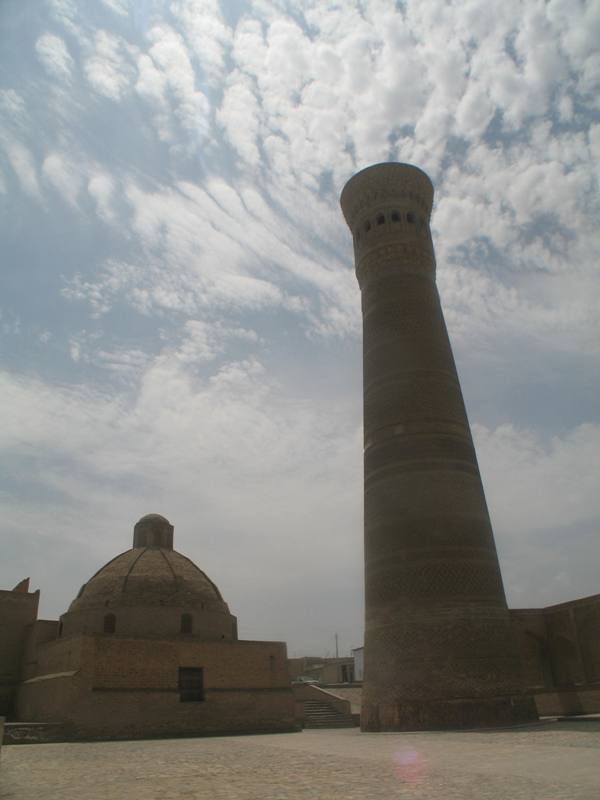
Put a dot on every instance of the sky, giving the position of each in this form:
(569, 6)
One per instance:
(180, 327)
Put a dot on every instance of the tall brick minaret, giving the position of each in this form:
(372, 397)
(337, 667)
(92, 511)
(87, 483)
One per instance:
(439, 652)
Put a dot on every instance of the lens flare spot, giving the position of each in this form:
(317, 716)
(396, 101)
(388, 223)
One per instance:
(409, 765)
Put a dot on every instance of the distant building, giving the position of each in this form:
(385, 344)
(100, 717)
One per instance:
(148, 647)
(325, 671)
(359, 669)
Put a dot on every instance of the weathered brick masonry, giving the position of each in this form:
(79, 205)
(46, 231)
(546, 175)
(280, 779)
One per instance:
(18, 611)
(149, 648)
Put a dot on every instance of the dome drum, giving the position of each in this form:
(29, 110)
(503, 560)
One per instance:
(157, 622)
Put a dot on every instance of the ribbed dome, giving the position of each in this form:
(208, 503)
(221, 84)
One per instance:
(150, 591)
(147, 576)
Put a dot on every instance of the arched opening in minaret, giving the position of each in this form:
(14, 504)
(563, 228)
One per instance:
(395, 216)
(380, 219)
(410, 217)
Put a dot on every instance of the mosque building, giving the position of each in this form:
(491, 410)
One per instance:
(147, 648)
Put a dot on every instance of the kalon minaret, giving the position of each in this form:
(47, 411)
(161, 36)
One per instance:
(438, 646)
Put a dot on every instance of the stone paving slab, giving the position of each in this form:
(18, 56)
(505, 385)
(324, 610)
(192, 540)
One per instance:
(559, 761)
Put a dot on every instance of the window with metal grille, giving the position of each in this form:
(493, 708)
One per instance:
(191, 684)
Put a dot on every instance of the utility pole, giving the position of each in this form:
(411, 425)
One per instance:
(336, 646)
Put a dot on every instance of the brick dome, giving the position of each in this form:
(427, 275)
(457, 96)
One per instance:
(148, 589)
(145, 576)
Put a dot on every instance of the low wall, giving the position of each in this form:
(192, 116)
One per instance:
(574, 702)
(137, 714)
(549, 703)
(351, 692)
(34, 733)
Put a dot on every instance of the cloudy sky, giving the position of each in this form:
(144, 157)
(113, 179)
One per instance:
(179, 318)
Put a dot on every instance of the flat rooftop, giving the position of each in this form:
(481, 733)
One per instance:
(555, 760)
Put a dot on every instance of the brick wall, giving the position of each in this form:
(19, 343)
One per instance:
(529, 626)
(560, 653)
(18, 610)
(126, 688)
(38, 633)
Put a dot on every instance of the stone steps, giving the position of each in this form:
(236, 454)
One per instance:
(318, 714)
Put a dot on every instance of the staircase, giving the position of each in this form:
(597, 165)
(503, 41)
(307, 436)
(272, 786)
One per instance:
(322, 715)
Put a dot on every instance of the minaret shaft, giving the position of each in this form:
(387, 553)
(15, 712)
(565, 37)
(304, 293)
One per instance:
(438, 646)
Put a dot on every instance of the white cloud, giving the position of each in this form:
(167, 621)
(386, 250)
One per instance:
(54, 55)
(541, 492)
(151, 82)
(65, 12)
(227, 249)
(203, 342)
(101, 187)
(534, 484)
(167, 79)
(589, 80)
(474, 111)
(198, 343)
(239, 115)
(22, 162)
(100, 294)
(249, 48)
(578, 27)
(120, 7)
(151, 86)
(109, 70)
(13, 108)
(63, 175)
(10, 323)
(207, 34)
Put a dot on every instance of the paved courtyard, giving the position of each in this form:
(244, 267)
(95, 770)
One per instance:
(545, 762)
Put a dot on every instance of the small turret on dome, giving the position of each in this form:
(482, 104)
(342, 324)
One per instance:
(153, 530)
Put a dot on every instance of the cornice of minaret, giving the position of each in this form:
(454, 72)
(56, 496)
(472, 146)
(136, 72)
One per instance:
(387, 208)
